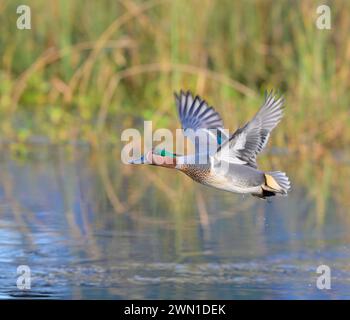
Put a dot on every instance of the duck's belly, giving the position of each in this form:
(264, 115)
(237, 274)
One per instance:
(237, 178)
(232, 187)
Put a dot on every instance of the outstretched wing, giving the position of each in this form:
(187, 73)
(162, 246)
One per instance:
(198, 119)
(244, 145)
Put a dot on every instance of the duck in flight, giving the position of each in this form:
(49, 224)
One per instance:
(227, 162)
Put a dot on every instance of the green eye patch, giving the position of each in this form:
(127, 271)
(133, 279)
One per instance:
(165, 153)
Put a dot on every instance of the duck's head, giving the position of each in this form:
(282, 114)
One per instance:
(157, 157)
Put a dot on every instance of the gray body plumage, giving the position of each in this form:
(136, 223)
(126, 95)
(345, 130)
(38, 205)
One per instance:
(237, 178)
(225, 176)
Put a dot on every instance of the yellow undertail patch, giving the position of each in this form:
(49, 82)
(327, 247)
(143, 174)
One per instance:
(272, 183)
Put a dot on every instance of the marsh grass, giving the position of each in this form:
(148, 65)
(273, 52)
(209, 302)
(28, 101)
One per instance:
(89, 69)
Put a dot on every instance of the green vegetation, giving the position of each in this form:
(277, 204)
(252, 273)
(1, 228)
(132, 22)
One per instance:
(87, 69)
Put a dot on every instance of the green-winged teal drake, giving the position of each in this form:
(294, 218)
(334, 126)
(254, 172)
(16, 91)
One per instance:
(229, 162)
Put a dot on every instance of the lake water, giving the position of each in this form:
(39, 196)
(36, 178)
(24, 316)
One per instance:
(90, 227)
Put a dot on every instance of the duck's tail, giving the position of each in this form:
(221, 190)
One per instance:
(276, 183)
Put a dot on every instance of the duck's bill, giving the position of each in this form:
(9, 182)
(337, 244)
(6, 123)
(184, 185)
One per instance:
(141, 160)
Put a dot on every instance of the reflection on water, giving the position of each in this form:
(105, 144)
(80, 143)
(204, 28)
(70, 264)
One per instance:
(89, 227)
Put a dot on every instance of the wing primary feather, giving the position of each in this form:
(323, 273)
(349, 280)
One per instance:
(246, 142)
(196, 114)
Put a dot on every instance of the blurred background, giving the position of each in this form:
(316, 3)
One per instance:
(92, 227)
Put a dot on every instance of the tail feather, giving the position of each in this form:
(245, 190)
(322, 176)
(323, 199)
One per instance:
(277, 181)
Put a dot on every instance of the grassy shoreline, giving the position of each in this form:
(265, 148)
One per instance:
(85, 70)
